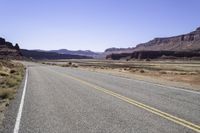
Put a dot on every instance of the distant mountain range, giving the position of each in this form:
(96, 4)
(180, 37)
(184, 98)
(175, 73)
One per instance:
(77, 52)
(186, 45)
(8, 51)
(43, 55)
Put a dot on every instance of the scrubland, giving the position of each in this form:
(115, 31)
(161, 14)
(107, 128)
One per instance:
(11, 75)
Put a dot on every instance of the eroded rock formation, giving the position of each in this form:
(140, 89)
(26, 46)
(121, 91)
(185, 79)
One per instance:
(8, 51)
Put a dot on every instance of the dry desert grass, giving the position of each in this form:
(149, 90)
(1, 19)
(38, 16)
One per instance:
(11, 75)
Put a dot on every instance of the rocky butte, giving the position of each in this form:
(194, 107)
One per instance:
(8, 51)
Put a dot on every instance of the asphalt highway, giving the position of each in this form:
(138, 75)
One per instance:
(71, 100)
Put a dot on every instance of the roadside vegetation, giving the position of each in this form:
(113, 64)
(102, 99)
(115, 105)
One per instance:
(11, 75)
(66, 64)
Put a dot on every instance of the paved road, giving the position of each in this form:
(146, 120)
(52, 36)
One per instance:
(66, 100)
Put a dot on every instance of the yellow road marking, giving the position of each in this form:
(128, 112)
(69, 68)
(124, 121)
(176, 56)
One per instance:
(160, 113)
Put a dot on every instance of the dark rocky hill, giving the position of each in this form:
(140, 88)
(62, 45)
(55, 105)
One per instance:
(156, 55)
(8, 51)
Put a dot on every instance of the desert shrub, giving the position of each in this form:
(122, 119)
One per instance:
(193, 73)
(183, 73)
(18, 77)
(7, 93)
(11, 82)
(2, 73)
(65, 65)
(142, 71)
(133, 70)
(148, 59)
(12, 71)
(163, 72)
(127, 69)
(75, 65)
(70, 63)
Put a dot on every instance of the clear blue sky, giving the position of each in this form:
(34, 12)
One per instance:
(94, 24)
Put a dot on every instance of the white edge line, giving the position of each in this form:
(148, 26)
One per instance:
(169, 87)
(176, 88)
(151, 83)
(157, 84)
(18, 119)
(148, 82)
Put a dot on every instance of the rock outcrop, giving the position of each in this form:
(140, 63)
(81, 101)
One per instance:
(8, 51)
(185, 42)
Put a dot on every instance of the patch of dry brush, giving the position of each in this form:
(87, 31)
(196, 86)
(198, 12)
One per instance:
(11, 75)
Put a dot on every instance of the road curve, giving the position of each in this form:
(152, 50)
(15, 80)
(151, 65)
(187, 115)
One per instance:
(61, 100)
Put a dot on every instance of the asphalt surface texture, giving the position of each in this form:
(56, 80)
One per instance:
(70, 100)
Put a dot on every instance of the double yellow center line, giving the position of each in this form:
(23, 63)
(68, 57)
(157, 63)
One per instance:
(160, 113)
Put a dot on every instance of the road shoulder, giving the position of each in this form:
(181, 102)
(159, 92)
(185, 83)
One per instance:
(12, 110)
(158, 81)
